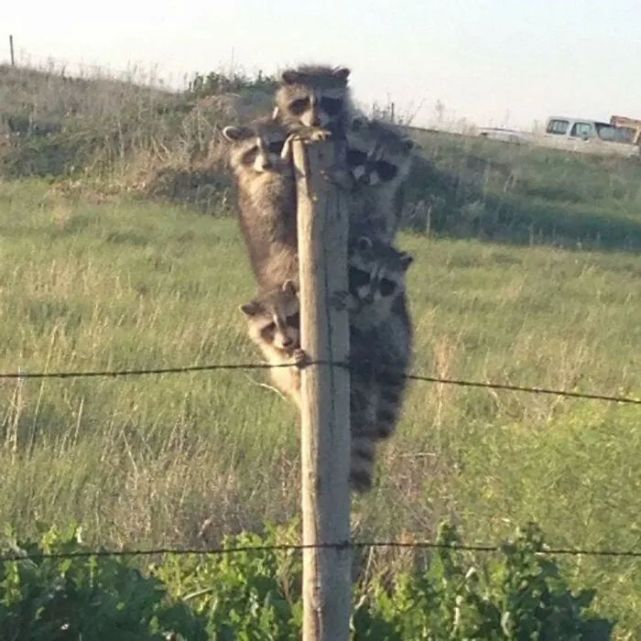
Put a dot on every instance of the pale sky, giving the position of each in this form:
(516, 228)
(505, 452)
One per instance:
(493, 62)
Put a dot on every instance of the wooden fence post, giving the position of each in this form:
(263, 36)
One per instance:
(322, 247)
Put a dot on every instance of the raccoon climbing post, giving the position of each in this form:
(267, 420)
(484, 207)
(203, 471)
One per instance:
(322, 250)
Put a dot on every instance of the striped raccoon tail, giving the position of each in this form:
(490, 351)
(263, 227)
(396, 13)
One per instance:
(391, 389)
(363, 441)
(363, 455)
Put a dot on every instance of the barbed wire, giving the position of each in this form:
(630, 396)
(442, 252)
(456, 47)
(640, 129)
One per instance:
(521, 388)
(484, 548)
(249, 366)
(151, 371)
(286, 547)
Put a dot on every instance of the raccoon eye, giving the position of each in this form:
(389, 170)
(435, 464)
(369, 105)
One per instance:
(358, 277)
(387, 287)
(276, 146)
(386, 170)
(268, 331)
(250, 155)
(293, 320)
(297, 107)
(354, 157)
(331, 106)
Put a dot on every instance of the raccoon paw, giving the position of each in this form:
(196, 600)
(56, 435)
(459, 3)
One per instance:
(339, 300)
(312, 134)
(300, 357)
(286, 154)
(316, 134)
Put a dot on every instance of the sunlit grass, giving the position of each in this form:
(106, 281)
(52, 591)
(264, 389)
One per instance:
(182, 459)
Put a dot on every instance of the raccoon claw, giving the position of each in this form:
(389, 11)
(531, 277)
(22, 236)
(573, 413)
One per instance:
(339, 300)
(309, 134)
(300, 358)
(319, 134)
(286, 153)
(312, 134)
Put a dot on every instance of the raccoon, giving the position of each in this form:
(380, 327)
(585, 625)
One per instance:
(314, 97)
(266, 199)
(378, 160)
(376, 279)
(274, 325)
(380, 349)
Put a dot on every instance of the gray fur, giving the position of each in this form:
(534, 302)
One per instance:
(266, 201)
(271, 326)
(375, 200)
(311, 86)
(380, 352)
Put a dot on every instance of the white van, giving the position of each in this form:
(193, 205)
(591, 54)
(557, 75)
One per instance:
(586, 136)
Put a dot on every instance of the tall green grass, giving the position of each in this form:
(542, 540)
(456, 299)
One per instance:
(126, 135)
(184, 459)
(521, 194)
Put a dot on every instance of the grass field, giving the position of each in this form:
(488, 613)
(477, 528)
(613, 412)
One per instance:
(524, 195)
(184, 459)
(127, 135)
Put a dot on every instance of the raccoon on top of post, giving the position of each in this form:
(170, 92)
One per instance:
(314, 97)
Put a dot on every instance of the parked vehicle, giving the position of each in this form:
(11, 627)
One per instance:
(586, 136)
(631, 127)
(505, 135)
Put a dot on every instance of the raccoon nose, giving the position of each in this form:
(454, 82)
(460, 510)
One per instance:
(287, 342)
(266, 164)
(369, 299)
(316, 121)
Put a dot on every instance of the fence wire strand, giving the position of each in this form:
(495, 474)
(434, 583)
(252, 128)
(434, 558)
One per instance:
(346, 545)
(23, 375)
(220, 551)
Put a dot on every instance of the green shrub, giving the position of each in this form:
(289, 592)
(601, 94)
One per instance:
(217, 82)
(516, 594)
(246, 596)
(84, 598)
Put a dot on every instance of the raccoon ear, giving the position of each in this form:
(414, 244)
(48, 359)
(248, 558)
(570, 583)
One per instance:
(342, 73)
(290, 76)
(234, 134)
(406, 261)
(364, 243)
(289, 287)
(250, 309)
